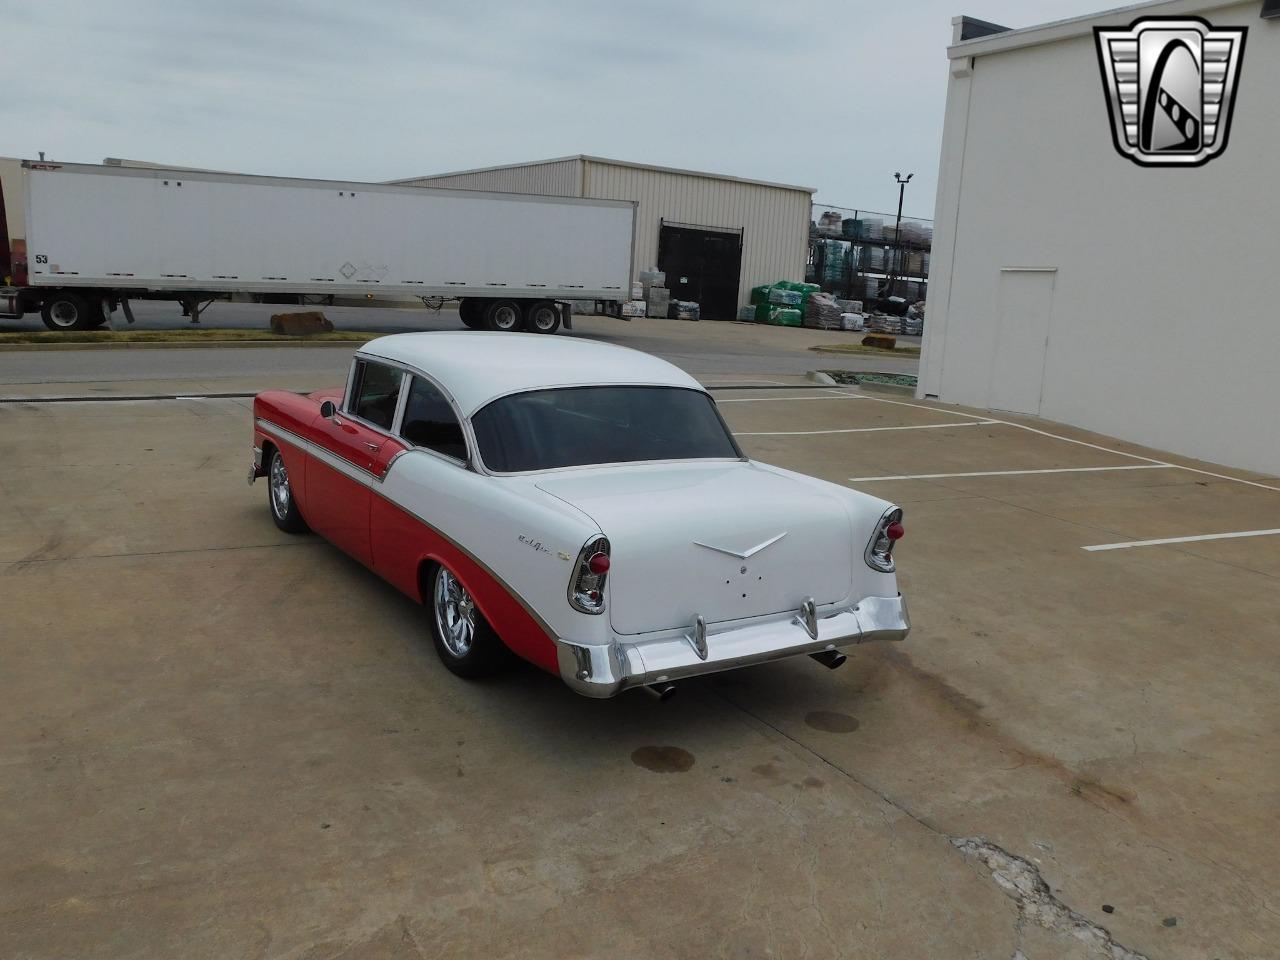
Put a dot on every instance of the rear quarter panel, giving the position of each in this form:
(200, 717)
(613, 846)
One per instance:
(525, 540)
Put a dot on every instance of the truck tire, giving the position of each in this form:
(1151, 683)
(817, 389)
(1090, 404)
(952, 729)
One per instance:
(503, 315)
(66, 311)
(471, 313)
(542, 317)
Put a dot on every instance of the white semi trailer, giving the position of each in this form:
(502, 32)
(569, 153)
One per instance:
(79, 241)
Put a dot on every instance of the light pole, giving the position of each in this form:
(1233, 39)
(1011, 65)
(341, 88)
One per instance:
(897, 234)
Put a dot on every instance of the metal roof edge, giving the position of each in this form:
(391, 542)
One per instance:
(1079, 26)
(588, 158)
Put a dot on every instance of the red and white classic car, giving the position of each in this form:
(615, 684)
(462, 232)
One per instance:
(580, 505)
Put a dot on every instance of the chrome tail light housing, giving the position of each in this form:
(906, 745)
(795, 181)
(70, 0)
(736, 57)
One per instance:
(879, 552)
(586, 589)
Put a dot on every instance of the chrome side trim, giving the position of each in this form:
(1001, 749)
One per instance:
(606, 670)
(327, 457)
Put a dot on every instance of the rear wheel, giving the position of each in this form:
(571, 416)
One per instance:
(504, 315)
(284, 508)
(65, 311)
(542, 317)
(471, 312)
(465, 642)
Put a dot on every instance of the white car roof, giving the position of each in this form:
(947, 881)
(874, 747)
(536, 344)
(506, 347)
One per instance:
(478, 366)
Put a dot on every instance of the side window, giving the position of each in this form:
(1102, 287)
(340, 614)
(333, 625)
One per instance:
(429, 421)
(375, 393)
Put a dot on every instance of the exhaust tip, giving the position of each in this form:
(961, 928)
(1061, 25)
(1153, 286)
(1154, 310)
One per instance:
(660, 691)
(831, 659)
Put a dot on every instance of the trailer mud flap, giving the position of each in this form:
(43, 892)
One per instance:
(566, 315)
(128, 310)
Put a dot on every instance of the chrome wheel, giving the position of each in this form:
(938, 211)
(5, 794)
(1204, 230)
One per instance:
(279, 481)
(64, 314)
(455, 613)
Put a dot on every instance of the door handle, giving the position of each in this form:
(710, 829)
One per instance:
(372, 446)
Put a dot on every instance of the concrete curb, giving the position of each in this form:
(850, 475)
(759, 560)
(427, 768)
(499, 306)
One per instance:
(817, 376)
(176, 344)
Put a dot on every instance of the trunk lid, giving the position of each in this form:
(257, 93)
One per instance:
(721, 540)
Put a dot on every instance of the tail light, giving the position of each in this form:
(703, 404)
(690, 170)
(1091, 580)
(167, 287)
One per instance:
(889, 531)
(586, 589)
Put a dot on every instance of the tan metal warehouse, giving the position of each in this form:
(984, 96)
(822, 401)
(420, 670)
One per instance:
(716, 236)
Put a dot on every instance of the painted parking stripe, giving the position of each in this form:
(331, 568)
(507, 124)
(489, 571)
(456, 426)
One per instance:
(1016, 473)
(815, 433)
(1198, 539)
(1084, 443)
(829, 396)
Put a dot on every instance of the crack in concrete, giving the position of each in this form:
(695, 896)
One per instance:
(1020, 880)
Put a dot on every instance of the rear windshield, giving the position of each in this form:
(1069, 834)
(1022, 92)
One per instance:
(575, 426)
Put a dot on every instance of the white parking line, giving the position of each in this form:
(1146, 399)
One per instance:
(1083, 443)
(1198, 539)
(1015, 473)
(827, 396)
(814, 433)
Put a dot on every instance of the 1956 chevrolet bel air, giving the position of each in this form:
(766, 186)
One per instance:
(580, 505)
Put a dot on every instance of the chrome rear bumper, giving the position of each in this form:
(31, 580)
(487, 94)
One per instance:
(604, 671)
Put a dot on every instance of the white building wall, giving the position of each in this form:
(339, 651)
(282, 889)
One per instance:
(1158, 321)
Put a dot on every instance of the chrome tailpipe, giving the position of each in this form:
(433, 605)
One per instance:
(831, 659)
(660, 691)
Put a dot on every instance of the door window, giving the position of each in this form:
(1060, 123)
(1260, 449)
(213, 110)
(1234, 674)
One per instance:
(429, 421)
(375, 393)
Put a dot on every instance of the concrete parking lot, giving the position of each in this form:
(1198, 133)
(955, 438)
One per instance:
(224, 741)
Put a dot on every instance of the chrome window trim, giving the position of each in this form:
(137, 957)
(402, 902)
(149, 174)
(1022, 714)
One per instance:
(473, 461)
(453, 408)
(395, 415)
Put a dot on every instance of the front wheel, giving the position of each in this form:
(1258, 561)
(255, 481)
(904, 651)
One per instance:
(65, 311)
(465, 642)
(543, 317)
(284, 508)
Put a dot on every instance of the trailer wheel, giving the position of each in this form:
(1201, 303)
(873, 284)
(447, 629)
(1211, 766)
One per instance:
(65, 311)
(471, 313)
(504, 315)
(542, 317)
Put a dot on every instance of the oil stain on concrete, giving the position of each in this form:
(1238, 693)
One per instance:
(829, 721)
(663, 759)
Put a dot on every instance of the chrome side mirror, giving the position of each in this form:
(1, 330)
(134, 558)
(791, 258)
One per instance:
(328, 410)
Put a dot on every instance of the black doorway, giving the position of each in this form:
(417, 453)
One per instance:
(703, 266)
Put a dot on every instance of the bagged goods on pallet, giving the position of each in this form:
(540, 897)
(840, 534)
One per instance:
(760, 294)
(849, 306)
(685, 310)
(652, 277)
(829, 224)
(822, 312)
(658, 307)
(637, 291)
(633, 308)
(883, 323)
(781, 297)
(851, 321)
(747, 313)
(658, 295)
(785, 317)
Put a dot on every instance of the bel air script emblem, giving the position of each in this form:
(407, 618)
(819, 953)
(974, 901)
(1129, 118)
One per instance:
(1170, 84)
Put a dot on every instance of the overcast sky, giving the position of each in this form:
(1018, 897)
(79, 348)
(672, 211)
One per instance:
(833, 95)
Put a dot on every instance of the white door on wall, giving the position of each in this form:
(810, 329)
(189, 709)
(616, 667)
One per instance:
(1024, 307)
